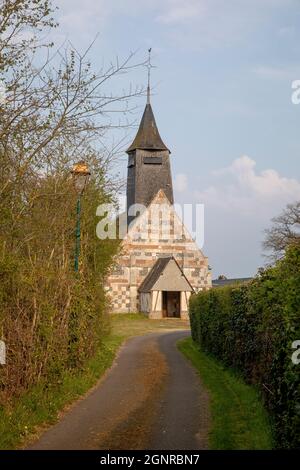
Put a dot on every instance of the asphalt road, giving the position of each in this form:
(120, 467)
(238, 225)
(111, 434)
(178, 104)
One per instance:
(151, 398)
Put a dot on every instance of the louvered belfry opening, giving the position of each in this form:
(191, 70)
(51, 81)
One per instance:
(148, 164)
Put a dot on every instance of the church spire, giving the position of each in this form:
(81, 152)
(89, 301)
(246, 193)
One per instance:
(149, 168)
(147, 137)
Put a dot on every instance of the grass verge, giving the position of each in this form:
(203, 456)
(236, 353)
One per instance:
(239, 420)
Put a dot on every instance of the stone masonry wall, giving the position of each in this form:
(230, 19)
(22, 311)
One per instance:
(140, 250)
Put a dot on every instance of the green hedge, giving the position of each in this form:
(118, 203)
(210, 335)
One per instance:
(251, 328)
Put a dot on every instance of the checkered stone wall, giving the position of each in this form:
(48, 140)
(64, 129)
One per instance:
(119, 297)
(139, 254)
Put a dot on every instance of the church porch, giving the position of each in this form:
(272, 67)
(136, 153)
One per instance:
(165, 292)
(165, 304)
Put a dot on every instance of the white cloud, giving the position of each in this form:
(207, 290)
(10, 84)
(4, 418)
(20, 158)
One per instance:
(196, 24)
(180, 182)
(178, 11)
(239, 204)
(239, 187)
(192, 24)
(83, 21)
(287, 31)
(267, 72)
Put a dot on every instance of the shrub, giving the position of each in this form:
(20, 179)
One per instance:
(251, 328)
(51, 318)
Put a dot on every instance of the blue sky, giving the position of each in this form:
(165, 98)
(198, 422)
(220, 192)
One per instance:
(222, 101)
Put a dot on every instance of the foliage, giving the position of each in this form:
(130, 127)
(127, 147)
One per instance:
(251, 328)
(41, 404)
(56, 111)
(51, 319)
(239, 420)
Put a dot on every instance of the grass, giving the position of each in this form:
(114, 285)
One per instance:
(239, 420)
(134, 324)
(40, 406)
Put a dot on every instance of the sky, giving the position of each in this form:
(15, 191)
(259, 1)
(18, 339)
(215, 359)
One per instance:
(222, 88)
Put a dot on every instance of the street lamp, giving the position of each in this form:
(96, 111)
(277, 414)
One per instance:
(80, 174)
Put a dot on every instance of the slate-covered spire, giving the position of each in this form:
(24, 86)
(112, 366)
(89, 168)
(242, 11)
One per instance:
(147, 137)
(148, 162)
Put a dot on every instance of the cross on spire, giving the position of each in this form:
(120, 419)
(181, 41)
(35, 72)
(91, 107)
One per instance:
(149, 67)
(147, 137)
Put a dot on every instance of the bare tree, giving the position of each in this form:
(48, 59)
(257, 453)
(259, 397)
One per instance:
(57, 110)
(284, 231)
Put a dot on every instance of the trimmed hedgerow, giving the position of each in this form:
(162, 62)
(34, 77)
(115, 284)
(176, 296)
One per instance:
(251, 328)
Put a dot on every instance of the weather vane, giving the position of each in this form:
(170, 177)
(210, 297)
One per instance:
(149, 67)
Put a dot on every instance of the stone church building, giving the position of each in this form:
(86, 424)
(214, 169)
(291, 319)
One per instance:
(159, 265)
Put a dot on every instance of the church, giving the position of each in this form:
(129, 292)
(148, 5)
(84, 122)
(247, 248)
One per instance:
(159, 265)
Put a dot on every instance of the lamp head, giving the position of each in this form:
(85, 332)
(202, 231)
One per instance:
(80, 173)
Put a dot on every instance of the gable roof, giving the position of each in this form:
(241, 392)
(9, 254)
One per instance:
(147, 137)
(133, 232)
(154, 274)
(156, 271)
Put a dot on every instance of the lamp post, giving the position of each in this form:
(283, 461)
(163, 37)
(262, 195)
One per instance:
(80, 174)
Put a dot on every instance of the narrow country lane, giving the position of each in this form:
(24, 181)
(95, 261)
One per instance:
(150, 399)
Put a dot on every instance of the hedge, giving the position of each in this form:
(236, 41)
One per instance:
(251, 328)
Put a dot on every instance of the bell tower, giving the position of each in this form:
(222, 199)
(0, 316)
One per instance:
(159, 264)
(148, 161)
